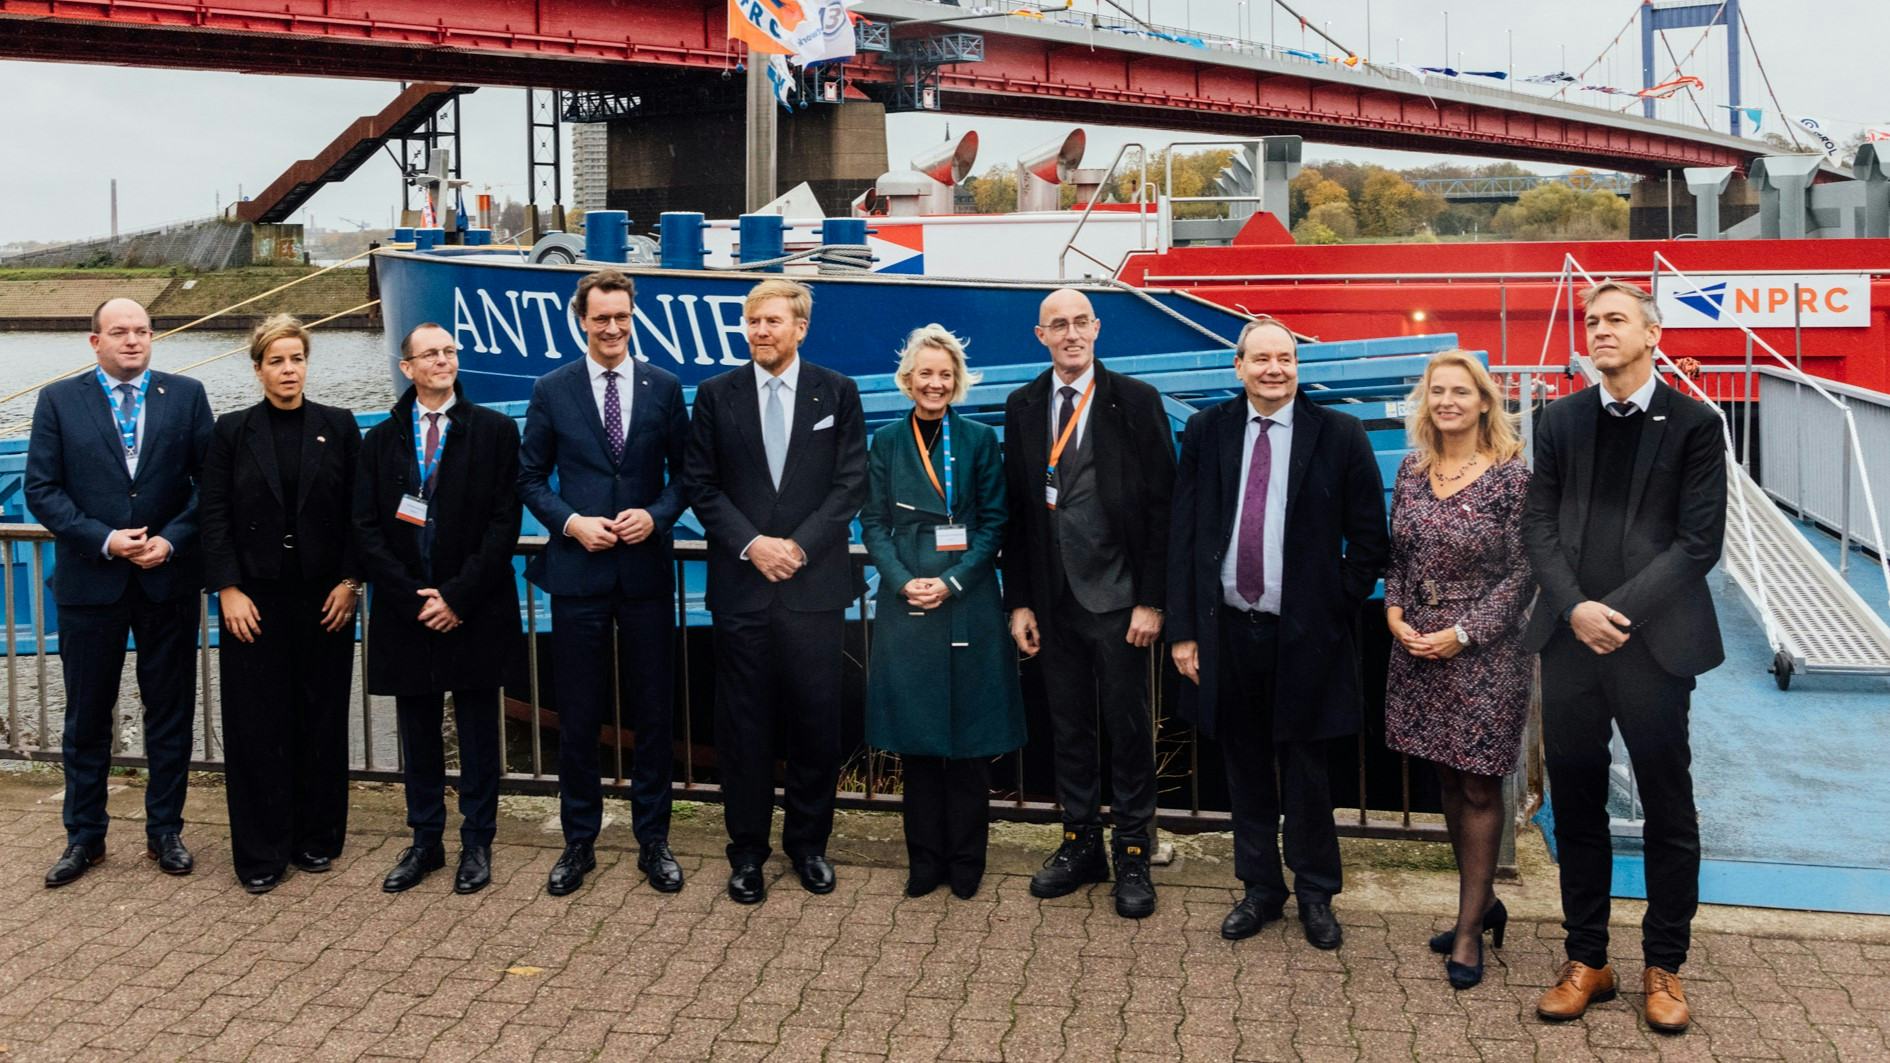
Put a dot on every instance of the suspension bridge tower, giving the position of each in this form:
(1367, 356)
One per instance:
(1660, 15)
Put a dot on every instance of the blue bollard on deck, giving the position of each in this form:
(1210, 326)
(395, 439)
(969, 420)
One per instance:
(607, 235)
(681, 235)
(763, 236)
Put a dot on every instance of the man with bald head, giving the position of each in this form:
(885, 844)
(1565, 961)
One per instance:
(111, 471)
(1279, 537)
(1090, 461)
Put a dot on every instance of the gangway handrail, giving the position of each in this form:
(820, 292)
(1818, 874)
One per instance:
(1141, 208)
(1854, 451)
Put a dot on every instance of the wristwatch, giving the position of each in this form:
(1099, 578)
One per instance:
(1463, 637)
(353, 585)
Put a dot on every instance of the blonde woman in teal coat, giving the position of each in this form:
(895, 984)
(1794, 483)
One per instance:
(942, 691)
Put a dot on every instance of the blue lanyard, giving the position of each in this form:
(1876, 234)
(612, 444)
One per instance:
(427, 462)
(127, 429)
(945, 444)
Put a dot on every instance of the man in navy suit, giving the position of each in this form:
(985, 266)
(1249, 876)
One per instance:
(776, 470)
(612, 430)
(111, 471)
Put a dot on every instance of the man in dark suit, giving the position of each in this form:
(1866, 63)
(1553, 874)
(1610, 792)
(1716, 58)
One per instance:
(1626, 516)
(612, 430)
(1085, 558)
(776, 471)
(1279, 537)
(436, 519)
(112, 470)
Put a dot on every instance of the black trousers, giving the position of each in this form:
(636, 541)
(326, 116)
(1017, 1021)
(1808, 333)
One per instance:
(92, 658)
(1300, 791)
(581, 655)
(1583, 692)
(1089, 669)
(779, 668)
(285, 731)
(947, 804)
(423, 765)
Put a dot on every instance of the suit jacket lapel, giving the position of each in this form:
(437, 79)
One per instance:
(262, 448)
(1649, 447)
(99, 404)
(314, 444)
(1307, 421)
(1034, 434)
(1229, 438)
(586, 401)
(641, 412)
(747, 403)
(156, 409)
(1582, 444)
(812, 404)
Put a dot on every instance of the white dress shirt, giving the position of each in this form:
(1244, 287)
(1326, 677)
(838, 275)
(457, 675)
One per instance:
(1273, 533)
(112, 397)
(451, 398)
(1642, 396)
(623, 391)
(790, 379)
(1081, 384)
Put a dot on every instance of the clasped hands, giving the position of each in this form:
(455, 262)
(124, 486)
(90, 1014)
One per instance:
(926, 592)
(1599, 627)
(596, 534)
(778, 559)
(1440, 645)
(139, 548)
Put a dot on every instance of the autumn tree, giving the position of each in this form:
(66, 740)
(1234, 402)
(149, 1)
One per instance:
(996, 191)
(1389, 205)
(1558, 212)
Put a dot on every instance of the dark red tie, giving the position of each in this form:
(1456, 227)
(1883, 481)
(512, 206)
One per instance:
(433, 453)
(1250, 565)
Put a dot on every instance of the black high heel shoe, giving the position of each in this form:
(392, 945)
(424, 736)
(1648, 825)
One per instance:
(1464, 975)
(1495, 919)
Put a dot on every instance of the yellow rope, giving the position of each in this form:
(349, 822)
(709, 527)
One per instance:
(207, 317)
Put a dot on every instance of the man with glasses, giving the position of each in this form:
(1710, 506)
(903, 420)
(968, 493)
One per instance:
(611, 429)
(1090, 465)
(436, 520)
(112, 470)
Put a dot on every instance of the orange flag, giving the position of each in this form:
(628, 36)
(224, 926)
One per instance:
(765, 25)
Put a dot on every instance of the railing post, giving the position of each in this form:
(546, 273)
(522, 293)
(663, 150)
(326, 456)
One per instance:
(1844, 503)
(1745, 440)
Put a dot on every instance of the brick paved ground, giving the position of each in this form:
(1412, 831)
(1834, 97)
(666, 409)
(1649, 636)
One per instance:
(129, 963)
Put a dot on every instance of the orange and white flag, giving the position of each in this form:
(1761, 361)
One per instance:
(767, 26)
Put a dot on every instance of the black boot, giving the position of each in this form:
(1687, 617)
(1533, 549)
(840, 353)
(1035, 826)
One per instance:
(1135, 890)
(1078, 862)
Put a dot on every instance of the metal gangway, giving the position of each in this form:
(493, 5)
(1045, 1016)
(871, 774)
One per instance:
(1814, 621)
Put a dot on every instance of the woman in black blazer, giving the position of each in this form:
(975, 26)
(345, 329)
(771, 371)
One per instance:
(275, 506)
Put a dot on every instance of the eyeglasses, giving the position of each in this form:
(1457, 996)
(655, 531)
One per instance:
(438, 354)
(1062, 325)
(600, 320)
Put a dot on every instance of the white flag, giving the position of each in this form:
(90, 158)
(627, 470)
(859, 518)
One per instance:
(1819, 137)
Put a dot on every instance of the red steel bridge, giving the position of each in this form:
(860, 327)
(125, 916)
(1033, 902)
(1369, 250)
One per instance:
(1029, 69)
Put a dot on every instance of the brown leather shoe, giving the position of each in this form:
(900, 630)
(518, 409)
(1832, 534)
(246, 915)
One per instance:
(1577, 985)
(1666, 1009)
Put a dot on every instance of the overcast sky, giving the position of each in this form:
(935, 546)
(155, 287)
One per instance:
(182, 142)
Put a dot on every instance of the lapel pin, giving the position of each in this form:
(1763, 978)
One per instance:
(321, 439)
(160, 389)
(1660, 417)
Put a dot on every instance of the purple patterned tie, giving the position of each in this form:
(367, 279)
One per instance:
(1250, 566)
(613, 416)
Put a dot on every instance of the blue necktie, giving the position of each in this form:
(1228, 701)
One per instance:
(774, 432)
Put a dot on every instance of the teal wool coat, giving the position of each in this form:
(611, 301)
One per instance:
(943, 682)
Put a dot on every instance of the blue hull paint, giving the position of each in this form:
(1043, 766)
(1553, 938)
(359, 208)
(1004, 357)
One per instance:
(513, 323)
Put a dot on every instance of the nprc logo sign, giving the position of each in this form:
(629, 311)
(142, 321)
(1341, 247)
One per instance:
(1810, 300)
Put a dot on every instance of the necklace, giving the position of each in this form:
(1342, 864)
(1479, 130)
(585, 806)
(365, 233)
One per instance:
(1462, 471)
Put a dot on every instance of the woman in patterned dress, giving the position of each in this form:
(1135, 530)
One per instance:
(1457, 690)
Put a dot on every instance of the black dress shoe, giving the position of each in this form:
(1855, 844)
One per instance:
(966, 888)
(73, 862)
(1078, 862)
(918, 885)
(568, 873)
(1135, 891)
(746, 886)
(1250, 914)
(312, 862)
(816, 873)
(416, 863)
(659, 865)
(260, 884)
(171, 856)
(1322, 929)
(475, 869)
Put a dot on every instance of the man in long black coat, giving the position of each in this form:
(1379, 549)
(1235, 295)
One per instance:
(1279, 537)
(436, 513)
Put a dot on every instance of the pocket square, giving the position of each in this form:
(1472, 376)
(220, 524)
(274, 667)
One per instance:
(824, 422)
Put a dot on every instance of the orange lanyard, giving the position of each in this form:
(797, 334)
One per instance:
(1056, 452)
(945, 438)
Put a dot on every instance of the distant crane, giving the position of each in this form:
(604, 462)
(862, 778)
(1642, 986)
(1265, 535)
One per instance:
(359, 226)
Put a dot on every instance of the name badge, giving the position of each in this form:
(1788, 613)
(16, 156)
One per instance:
(952, 537)
(412, 510)
(1050, 496)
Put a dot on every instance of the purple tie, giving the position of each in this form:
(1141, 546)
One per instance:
(613, 416)
(1250, 565)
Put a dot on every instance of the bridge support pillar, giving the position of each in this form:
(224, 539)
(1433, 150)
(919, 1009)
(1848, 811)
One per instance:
(695, 162)
(1648, 213)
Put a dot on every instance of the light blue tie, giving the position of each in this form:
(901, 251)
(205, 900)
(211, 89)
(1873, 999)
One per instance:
(774, 431)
